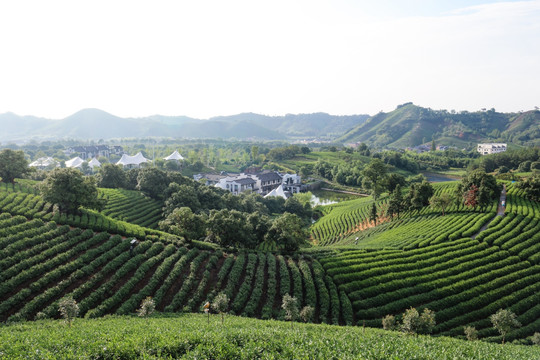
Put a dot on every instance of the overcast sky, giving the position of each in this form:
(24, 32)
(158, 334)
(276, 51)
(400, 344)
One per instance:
(208, 58)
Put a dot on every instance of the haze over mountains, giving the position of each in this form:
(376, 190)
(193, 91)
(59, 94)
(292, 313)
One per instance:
(98, 124)
(408, 125)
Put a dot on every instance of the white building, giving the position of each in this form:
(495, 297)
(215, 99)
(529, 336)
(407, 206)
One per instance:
(492, 148)
(237, 185)
(292, 183)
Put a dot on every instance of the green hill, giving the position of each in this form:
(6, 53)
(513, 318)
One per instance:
(410, 125)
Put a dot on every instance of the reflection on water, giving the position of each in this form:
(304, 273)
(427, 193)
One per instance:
(315, 200)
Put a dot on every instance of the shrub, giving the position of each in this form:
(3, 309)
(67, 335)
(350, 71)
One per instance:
(148, 306)
(68, 309)
(220, 304)
(536, 338)
(504, 321)
(414, 323)
(290, 305)
(471, 333)
(306, 313)
(389, 322)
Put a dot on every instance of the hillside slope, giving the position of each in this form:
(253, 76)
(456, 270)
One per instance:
(411, 125)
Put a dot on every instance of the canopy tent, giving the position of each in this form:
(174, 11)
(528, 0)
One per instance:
(44, 162)
(76, 162)
(94, 163)
(132, 161)
(278, 192)
(174, 156)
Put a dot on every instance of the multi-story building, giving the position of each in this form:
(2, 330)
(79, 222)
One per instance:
(492, 148)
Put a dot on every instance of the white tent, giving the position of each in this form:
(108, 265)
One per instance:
(94, 163)
(76, 162)
(174, 156)
(44, 162)
(278, 192)
(132, 161)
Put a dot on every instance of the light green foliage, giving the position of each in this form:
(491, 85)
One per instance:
(536, 338)
(389, 322)
(290, 305)
(148, 306)
(69, 309)
(471, 333)
(287, 231)
(221, 305)
(504, 321)
(183, 222)
(306, 314)
(189, 336)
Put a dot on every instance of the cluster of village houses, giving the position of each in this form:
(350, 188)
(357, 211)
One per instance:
(265, 183)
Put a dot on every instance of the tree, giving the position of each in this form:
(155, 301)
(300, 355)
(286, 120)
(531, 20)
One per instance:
(414, 323)
(373, 216)
(12, 165)
(306, 313)
(504, 321)
(471, 333)
(395, 203)
(183, 222)
(254, 153)
(433, 146)
(148, 306)
(221, 304)
(441, 202)
(69, 309)
(229, 228)
(531, 187)
(287, 231)
(70, 190)
(181, 196)
(152, 182)
(290, 305)
(389, 322)
(111, 176)
(536, 338)
(395, 180)
(478, 189)
(374, 177)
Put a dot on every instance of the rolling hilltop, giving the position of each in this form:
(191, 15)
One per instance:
(411, 125)
(98, 124)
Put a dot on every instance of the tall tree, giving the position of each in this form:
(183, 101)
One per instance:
(287, 231)
(183, 222)
(12, 165)
(441, 202)
(478, 189)
(111, 176)
(375, 177)
(373, 216)
(68, 189)
(152, 182)
(395, 203)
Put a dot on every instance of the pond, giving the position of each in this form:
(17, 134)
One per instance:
(323, 197)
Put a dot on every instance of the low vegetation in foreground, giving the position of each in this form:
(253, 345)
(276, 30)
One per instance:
(194, 336)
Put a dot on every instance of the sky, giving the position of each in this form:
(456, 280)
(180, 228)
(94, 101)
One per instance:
(209, 58)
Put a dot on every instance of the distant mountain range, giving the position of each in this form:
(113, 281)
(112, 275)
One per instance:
(98, 124)
(408, 125)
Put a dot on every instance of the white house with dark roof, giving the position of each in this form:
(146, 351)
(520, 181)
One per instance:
(493, 148)
(236, 185)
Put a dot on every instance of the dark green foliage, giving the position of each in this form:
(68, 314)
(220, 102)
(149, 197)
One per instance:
(69, 190)
(287, 231)
(111, 176)
(12, 165)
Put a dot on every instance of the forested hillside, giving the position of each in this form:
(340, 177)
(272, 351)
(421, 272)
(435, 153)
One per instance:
(410, 125)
